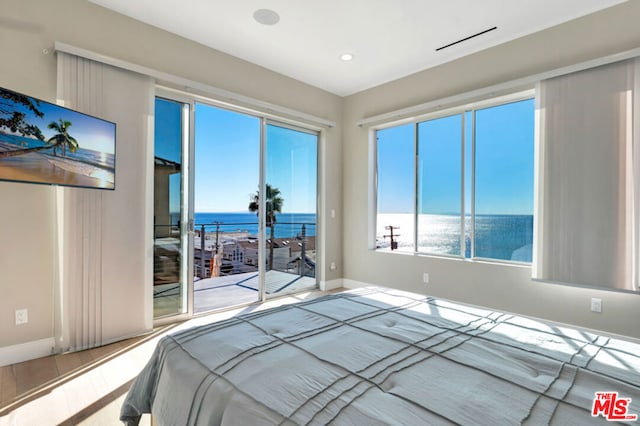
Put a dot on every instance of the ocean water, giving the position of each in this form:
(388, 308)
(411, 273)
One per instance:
(504, 237)
(287, 224)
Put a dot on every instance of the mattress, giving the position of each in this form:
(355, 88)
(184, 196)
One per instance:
(377, 356)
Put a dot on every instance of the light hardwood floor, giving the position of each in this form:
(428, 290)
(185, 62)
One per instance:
(23, 383)
(18, 379)
(87, 387)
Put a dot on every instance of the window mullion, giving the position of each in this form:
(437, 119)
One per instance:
(415, 187)
(462, 183)
(472, 225)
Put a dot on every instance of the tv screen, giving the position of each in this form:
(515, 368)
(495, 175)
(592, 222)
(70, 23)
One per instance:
(45, 143)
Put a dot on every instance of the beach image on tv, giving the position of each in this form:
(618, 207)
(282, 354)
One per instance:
(41, 142)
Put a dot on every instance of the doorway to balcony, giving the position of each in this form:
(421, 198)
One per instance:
(243, 212)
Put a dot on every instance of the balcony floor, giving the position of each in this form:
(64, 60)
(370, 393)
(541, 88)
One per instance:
(231, 290)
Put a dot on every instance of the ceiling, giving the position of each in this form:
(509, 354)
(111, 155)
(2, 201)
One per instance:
(388, 39)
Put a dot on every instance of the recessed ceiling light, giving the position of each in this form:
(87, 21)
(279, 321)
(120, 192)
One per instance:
(346, 57)
(266, 17)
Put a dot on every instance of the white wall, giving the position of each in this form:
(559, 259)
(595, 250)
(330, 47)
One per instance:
(28, 30)
(503, 287)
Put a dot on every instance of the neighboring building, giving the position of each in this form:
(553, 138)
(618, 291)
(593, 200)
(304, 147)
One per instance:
(239, 253)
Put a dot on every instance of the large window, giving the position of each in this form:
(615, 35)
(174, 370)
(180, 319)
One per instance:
(459, 184)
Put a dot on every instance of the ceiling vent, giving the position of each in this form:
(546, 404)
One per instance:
(466, 38)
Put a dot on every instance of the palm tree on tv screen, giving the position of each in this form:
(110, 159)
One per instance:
(15, 120)
(274, 202)
(63, 138)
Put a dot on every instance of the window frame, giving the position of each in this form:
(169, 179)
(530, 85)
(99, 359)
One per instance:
(467, 111)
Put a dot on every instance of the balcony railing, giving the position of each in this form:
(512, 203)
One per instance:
(233, 248)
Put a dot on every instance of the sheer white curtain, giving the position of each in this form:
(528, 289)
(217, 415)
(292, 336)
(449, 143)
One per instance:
(103, 286)
(588, 209)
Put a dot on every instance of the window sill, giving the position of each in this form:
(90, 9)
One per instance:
(476, 260)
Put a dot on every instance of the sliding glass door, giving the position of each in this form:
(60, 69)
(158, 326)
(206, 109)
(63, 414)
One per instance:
(170, 264)
(291, 204)
(226, 170)
(237, 222)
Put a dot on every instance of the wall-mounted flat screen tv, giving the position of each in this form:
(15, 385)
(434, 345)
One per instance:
(41, 142)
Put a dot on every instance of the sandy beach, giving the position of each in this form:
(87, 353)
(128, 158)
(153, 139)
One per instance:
(37, 168)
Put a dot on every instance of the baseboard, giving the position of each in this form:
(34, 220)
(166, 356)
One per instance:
(26, 351)
(330, 285)
(353, 284)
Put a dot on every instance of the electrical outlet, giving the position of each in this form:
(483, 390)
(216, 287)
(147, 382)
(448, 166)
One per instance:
(22, 316)
(333, 266)
(425, 278)
(596, 305)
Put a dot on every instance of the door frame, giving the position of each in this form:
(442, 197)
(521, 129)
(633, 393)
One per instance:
(187, 223)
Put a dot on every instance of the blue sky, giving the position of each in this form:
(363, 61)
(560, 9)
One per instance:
(504, 159)
(227, 159)
(396, 171)
(503, 170)
(292, 167)
(439, 151)
(90, 132)
(226, 163)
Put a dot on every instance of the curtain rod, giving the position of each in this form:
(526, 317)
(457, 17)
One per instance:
(193, 86)
(497, 89)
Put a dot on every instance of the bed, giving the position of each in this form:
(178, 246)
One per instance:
(377, 356)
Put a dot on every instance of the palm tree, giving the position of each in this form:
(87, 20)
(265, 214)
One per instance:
(274, 202)
(62, 138)
(16, 121)
(16, 152)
